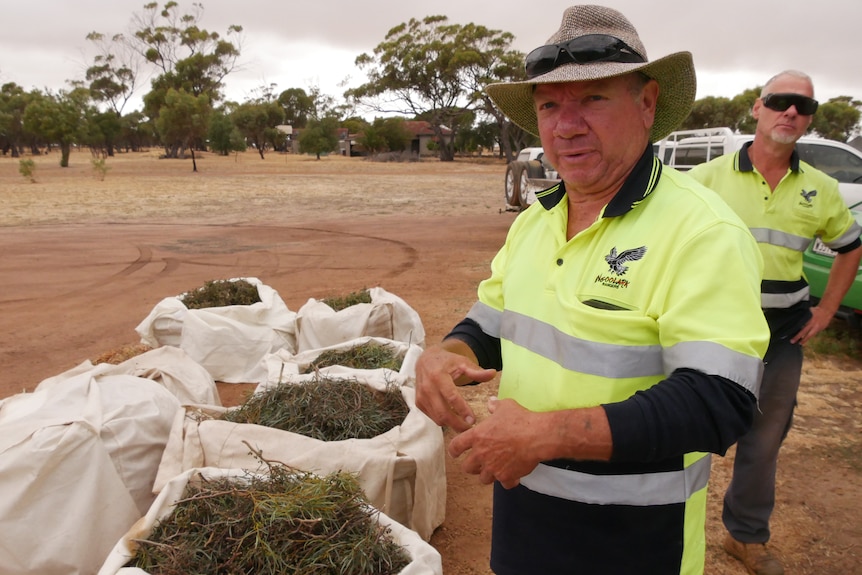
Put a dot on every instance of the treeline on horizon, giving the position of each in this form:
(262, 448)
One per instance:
(426, 69)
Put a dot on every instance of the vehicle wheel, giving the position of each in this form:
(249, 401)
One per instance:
(535, 169)
(532, 169)
(514, 173)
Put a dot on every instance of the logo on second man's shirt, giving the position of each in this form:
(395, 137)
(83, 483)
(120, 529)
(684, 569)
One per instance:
(807, 196)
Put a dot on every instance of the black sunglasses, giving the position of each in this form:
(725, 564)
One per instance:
(580, 50)
(805, 106)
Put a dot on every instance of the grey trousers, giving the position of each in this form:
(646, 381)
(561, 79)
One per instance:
(750, 497)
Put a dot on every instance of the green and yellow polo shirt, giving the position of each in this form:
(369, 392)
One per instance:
(805, 204)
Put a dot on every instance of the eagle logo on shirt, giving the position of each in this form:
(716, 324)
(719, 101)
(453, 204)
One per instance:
(616, 261)
(808, 195)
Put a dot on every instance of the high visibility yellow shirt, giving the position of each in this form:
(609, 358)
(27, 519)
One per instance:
(642, 292)
(805, 204)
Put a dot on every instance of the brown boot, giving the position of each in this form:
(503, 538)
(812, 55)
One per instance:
(755, 556)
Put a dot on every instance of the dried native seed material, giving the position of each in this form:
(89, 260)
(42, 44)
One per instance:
(328, 409)
(369, 355)
(220, 293)
(284, 523)
(339, 303)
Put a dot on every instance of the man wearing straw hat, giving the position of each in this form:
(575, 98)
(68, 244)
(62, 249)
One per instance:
(623, 312)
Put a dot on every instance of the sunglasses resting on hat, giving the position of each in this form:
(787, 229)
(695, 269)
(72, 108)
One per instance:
(804, 105)
(580, 50)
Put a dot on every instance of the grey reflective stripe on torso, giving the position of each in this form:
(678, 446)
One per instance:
(664, 488)
(616, 361)
(792, 242)
(784, 300)
(601, 359)
(780, 239)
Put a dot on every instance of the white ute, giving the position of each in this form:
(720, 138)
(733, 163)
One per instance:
(683, 150)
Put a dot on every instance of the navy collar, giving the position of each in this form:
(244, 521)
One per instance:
(744, 164)
(641, 182)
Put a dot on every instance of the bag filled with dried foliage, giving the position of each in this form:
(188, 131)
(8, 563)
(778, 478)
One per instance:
(227, 326)
(277, 521)
(77, 466)
(372, 312)
(168, 366)
(313, 422)
(394, 361)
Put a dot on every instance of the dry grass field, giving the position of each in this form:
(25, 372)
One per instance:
(83, 259)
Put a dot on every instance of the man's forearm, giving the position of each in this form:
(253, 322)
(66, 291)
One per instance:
(841, 277)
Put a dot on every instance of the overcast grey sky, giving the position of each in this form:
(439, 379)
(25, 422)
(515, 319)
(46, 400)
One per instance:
(736, 44)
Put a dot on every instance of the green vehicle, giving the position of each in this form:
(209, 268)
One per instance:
(816, 263)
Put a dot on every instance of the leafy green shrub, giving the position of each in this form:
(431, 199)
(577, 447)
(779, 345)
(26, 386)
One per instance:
(27, 168)
(100, 168)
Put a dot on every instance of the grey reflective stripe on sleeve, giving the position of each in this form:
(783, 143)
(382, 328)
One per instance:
(715, 359)
(783, 300)
(645, 489)
(594, 358)
(780, 239)
(487, 317)
(847, 237)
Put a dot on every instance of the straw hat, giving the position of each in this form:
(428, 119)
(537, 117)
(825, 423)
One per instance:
(674, 73)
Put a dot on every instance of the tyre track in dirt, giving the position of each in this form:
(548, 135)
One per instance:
(83, 289)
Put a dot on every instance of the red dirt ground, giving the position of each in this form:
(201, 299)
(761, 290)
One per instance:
(84, 261)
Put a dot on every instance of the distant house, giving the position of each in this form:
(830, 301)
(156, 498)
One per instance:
(421, 130)
(345, 142)
(423, 134)
(856, 142)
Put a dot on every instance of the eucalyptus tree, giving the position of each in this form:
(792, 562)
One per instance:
(184, 120)
(188, 57)
(13, 102)
(224, 137)
(385, 135)
(436, 70)
(114, 73)
(137, 132)
(714, 111)
(60, 119)
(493, 61)
(837, 118)
(298, 106)
(743, 102)
(257, 121)
(102, 132)
(320, 136)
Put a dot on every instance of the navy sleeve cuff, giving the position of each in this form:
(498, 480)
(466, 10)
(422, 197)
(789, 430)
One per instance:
(485, 347)
(687, 412)
(850, 247)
